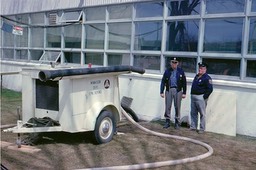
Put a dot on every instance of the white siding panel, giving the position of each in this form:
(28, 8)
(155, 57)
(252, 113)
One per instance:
(28, 6)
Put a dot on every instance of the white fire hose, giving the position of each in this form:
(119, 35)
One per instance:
(162, 163)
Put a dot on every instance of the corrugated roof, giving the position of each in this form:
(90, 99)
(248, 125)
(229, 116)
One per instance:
(27, 6)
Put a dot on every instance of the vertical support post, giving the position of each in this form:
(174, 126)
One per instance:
(18, 141)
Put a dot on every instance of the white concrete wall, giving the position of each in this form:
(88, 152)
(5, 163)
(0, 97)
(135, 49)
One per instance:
(231, 108)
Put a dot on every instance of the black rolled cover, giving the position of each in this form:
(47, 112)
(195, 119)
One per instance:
(45, 75)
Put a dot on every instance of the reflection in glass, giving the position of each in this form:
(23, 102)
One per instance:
(254, 6)
(223, 35)
(223, 66)
(148, 36)
(187, 64)
(21, 54)
(53, 37)
(94, 59)
(22, 40)
(37, 18)
(251, 68)
(6, 32)
(50, 56)
(152, 9)
(120, 12)
(252, 37)
(71, 57)
(119, 36)
(182, 36)
(147, 62)
(37, 37)
(224, 6)
(22, 19)
(71, 16)
(184, 7)
(118, 59)
(8, 39)
(36, 54)
(72, 36)
(92, 14)
(94, 36)
(8, 53)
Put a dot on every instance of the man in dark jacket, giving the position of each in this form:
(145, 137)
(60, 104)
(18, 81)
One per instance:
(175, 85)
(200, 91)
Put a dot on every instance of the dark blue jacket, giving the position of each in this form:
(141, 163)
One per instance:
(181, 80)
(202, 85)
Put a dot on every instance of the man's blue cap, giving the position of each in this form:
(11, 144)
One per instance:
(202, 64)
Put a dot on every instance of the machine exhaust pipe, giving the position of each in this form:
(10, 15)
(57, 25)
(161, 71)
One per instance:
(45, 75)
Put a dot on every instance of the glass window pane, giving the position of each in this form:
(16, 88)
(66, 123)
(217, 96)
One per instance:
(254, 6)
(72, 36)
(252, 37)
(118, 59)
(53, 37)
(148, 36)
(94, 36)
(147, 62)
(50, 56)
(8, 39)
(182, 36)
(223, 66)
(22, 54)
(152, 9)
(37, 18)
(227, 39)
(6, 32)
(251, 68)
(71, 57)
(22, 19)
(22, 40)
(224, 6)
(120, 12)
(119, 36)
(71, 16)
(8, 53)
(187, 64)
(36, 54)
(93, 14)
(37, 37)
(183, 7)
(94, 59)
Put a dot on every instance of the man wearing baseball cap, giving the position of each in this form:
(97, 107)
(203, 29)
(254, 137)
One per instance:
(175, 85)
(200, 91)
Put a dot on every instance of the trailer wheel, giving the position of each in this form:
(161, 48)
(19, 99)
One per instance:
(105, 127)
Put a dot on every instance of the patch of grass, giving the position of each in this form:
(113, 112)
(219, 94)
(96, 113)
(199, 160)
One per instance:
(8, 95)
(10, 101)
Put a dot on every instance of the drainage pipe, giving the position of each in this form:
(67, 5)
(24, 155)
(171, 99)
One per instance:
(45, 75)
(162, 163)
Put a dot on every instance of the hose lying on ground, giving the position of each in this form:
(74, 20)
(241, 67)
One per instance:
(162, 163)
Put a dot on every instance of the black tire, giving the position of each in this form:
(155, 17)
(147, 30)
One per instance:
(131, 113)
(105, 127)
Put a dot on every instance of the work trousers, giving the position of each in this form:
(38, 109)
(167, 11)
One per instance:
(173, 96)
(198, 105)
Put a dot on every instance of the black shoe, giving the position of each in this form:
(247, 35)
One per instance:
(167, 125)
(176, 126)
(199, 131)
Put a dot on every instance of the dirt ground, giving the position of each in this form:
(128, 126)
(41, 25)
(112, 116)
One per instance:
(130, 146)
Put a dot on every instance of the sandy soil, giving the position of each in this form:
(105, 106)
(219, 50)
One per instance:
(62, 151)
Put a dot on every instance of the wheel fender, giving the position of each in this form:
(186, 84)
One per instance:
(93, 113)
